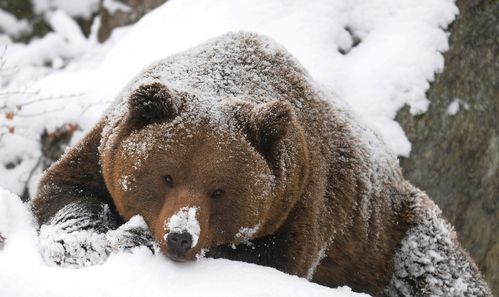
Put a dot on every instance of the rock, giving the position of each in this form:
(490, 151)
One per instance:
(455, 144)
(116, 13)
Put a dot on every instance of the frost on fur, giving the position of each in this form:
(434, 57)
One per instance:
(430, 262)
(245, 234)
(321, 255)
(132, 234)
(76, 249)
(74, 238)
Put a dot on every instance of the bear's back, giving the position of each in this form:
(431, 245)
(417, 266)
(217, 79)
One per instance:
(243, 66)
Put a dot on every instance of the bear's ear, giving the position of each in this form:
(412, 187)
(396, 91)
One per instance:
(151, 103)
(268, 124)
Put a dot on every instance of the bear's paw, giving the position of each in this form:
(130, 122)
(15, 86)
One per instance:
(75, 237)
(133, 233)
(78, 248)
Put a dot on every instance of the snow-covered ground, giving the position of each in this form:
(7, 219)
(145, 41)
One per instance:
(23, 273)
(378, 55)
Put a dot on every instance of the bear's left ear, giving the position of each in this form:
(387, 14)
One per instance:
(151, 103)
(269, 123)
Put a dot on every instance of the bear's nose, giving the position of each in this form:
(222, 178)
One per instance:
(178, 243)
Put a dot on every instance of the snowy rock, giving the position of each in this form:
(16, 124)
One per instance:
(453, 107)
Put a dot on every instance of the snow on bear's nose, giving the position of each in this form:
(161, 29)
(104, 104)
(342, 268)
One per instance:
(183, 222)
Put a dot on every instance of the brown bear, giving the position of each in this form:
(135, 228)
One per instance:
(232, 150)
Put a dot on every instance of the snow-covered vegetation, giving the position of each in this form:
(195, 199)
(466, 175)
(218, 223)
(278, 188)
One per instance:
(377, 55)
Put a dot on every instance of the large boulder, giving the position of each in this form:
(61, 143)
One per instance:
(455, 144)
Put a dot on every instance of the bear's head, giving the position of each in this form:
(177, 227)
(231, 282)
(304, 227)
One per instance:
(204, 172)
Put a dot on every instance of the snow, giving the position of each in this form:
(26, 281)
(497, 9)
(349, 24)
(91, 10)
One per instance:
(65, 26)
(118, 240)
(74, 233)
(184, 221)
(80, 8)
(126, 183)
(245, 234)
(453, 107)
(113, 6)
(11, 25)
(135, 273)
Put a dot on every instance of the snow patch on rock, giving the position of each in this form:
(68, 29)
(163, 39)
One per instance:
(453, 107)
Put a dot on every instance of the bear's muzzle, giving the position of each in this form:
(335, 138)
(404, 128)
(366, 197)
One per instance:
(178, 244)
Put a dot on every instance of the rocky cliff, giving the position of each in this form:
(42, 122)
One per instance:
(455, 144)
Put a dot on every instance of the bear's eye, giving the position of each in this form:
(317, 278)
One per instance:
(217, 194)
(168, 180)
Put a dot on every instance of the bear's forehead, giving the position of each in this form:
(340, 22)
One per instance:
(197, 111)
(185, 137)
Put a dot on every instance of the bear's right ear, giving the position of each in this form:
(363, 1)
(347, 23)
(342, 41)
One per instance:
(268, 124)
(151, 103)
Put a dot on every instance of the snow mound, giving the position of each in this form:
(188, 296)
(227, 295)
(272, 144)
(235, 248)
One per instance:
(139, 273)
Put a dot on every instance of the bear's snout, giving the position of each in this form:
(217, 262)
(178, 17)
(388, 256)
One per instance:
(178, 244)
(180, 232)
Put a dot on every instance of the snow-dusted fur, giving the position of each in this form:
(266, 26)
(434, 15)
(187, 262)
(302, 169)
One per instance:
(431, 262)
(317, 195)
(76, 238)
